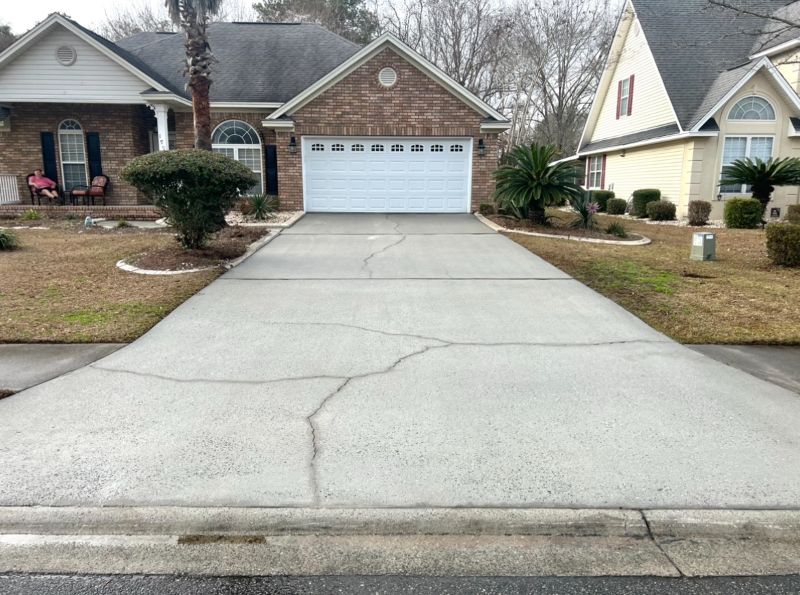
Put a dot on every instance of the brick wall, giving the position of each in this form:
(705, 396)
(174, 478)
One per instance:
(123, 131)
(129, 213)
(359, 105)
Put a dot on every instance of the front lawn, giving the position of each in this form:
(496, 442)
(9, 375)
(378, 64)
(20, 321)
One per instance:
(62, 285)
(740, 298)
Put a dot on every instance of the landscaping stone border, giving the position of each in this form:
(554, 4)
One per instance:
(121, 264)
(642, 242)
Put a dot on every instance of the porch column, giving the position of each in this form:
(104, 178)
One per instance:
(161, 112)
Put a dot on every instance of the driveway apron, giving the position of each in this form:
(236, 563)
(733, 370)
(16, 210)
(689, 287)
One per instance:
(401, 361)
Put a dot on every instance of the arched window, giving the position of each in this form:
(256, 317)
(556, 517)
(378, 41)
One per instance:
(73, 154)
(238, 140)
(752, 108)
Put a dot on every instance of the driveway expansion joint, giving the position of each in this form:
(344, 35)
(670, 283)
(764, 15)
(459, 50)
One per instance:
(655, 541)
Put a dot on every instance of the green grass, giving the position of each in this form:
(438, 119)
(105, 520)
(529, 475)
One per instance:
(627, 274)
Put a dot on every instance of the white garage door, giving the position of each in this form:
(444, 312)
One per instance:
(387, 175)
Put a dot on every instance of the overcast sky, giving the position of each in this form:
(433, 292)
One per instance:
(22, 15)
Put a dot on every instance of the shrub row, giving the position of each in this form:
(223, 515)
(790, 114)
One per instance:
(793, 214)
(783, 243)
(616, 206)
(699, 211)
(661, 210)
(601, 197)
(641, 198)
(742, 213)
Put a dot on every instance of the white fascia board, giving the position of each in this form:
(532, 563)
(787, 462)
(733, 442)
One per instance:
(278, 124)
(652, 141)
(495, 126)
(781, 47)
(368, 52)
(234, 105)
(56, 18)
(764, 63)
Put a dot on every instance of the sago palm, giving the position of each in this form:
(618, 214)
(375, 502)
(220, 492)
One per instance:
(192, 16)
(762, 176)
(530, 182)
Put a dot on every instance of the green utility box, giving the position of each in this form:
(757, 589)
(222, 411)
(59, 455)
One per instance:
(704, 246)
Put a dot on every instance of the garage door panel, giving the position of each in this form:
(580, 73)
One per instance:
(386, 174)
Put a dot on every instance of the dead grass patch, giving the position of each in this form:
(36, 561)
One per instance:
(63, 286)
(739, 298)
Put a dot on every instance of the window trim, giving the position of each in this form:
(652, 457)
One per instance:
(73, 132)
(626, 96)
(239, 146)
(743, 120)
(599, 173)
(747, 148)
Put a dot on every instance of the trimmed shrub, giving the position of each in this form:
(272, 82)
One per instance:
(699, 211)
(123, 224)
(8, 241)
(615, 228)
(742, 213)
(641, 198)
(616, 206)
(793, 213)
(486, 208)
(193, 188)
(601, 197)
(31, 215)
(661, 210)
(783, 244)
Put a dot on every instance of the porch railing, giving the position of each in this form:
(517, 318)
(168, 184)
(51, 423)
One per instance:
(9, 193)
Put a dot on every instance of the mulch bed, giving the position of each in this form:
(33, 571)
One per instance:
(559, 228)
(226, 245)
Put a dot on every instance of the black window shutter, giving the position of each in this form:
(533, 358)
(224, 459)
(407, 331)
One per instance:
(93, 153)
(272, 169)
(49, 156)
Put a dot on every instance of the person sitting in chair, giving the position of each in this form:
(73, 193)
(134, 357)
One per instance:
(43, 186)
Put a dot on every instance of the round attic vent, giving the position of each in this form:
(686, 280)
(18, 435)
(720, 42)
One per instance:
(387, 77)
(66, 55)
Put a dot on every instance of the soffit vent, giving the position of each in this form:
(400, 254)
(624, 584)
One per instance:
(66, 55)
(387, 77)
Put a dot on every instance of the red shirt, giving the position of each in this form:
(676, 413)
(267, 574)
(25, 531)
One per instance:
(42, 182)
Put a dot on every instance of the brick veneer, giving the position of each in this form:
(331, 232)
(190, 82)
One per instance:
(123, 131)
(359, 105)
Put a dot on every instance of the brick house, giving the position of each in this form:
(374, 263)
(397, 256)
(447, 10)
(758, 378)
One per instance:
(327, 125)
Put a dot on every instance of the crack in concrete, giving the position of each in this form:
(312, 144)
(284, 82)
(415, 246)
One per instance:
(658, 545)
(375, 253)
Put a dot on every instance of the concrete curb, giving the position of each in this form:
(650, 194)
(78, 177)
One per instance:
(253, 248)
(161, 520)
(499, 228)
(129, 268)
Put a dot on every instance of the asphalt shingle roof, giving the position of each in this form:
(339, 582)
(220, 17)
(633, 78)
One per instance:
(628, 139)
(256, 62)
(701, 50)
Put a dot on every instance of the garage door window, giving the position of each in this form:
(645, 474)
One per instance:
(317, 147)
(357, 148)
(437, 148)
(456, 148)
(417, 148)
(337, 147)
(397, 148)
(377, 148)
(238, 140)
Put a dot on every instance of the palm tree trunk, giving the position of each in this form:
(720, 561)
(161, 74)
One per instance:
(198, 60)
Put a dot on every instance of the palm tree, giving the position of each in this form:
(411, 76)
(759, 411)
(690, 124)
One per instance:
(192, 16)
(529, 182)
(762, 176)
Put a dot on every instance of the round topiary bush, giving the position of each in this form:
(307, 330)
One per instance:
(8, 241)
(699, 211)
(742, 213)
(616, 206)
(641, 198)
(783, 244)
(193, 188)
(661, 210)
(601, 197)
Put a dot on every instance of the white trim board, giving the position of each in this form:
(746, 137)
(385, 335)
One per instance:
(364, 55)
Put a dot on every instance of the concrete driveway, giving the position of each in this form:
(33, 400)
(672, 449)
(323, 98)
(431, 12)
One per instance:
(400, 361)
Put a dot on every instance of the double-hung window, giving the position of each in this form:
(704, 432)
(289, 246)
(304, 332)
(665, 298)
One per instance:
(625, 97)
(595, 173)
(739, 147)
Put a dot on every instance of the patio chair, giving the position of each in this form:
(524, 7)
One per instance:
(97, 189)
(36, 195)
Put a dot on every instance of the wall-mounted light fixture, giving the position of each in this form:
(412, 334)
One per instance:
(293, 145)
(719, 196)
(623, 153)
(481, 147)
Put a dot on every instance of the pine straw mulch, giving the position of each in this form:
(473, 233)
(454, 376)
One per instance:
(62, 285)
(560, 227)
(739, 298)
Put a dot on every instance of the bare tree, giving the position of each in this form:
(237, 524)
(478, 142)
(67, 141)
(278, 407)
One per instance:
(467, 39)
(355, 20)
(778, 25)
(124, 21)
(560, 48)
(6, 37)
